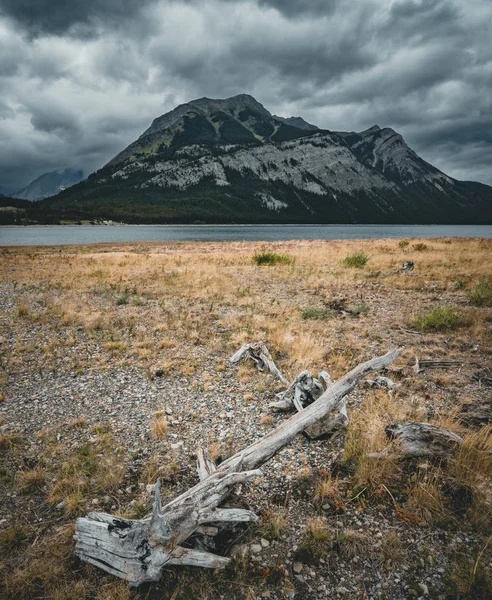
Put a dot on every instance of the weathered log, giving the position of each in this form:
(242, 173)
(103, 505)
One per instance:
(420, 365)
(137, 551)
(419, 439)
(303, 391)
(260, 354)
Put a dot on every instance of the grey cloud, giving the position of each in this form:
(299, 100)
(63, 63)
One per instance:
(296, 8)
(58, 16)
(79, 81)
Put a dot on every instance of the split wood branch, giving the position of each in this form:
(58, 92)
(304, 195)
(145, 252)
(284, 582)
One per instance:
(260, 354)
(138, 550)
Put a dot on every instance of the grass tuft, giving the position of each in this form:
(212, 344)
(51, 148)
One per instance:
(447, 318)
(481, 295)
(357, 260)
(317, 314)
(271, 258)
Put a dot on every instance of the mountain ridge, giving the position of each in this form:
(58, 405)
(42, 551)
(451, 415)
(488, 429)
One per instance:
(231, 160)
(49, 184)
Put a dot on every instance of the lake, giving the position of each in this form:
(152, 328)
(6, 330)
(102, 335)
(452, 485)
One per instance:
(53, 235)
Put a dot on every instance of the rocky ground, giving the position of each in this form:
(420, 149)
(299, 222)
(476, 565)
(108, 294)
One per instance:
(107, 387)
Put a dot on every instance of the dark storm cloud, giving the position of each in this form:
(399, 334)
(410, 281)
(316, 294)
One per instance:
(57, 16)
(81, 80)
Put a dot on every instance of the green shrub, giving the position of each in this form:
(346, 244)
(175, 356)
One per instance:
(317, 314)
(122, 300)
(481, 295)
(420, 247)
(403, 243)
(440, 318)
(357, 260)
(270, 258)
(358, 310)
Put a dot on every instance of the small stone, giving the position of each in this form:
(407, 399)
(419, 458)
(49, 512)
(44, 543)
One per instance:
(423, 587)
(265, 543)
(256, 548)
(297, 567)
(61, 505)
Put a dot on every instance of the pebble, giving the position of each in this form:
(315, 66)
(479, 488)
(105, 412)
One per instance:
(424, 589)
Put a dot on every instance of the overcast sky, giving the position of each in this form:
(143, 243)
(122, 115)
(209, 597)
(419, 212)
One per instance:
(80, 80)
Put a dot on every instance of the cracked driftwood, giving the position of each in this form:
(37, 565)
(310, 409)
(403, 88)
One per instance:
(420, 365)
(303, 391)
(138, 550)
(260, 354)
(419, 439)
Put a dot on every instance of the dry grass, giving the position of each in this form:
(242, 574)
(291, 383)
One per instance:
(274, 523)
(30, 481)
(168, 308)
(159, 427)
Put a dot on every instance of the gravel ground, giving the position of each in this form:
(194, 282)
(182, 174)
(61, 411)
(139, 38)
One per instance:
(214, 407)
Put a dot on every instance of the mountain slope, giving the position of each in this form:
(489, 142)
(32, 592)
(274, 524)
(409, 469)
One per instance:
(232, 161)
(50, 184)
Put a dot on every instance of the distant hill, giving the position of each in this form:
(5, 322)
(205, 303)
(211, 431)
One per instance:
(50, 184)
(226, 161)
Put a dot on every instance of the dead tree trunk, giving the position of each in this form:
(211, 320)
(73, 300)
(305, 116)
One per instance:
(419, 439)
(137, 551)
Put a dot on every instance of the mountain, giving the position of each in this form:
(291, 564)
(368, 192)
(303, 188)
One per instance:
(233, 161)
(298, 122)
(50, 184)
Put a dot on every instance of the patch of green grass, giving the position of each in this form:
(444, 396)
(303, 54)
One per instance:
(357, 260)
(317, 314)
(271, 258)
(122, 300)
(358, 310)
(481, 295)
(441, 318)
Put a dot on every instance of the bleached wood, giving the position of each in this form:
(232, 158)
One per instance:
(205, 463)
(420, 365)
(137, 551)
(419, 439)
(260, 354)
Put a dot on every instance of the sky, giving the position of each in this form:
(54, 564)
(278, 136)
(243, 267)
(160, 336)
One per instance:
(80, 80)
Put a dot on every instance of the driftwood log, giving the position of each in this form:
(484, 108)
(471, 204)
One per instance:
(420, 365)
(416, 439)
(303, 391)
(260, 354)
(138, 550)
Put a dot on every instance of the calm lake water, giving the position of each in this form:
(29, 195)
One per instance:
(51, 235)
